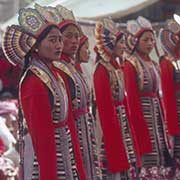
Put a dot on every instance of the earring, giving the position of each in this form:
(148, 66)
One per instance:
(36, 50)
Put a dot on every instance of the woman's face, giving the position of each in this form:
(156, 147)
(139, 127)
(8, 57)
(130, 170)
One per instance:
(120, 47)
(71, 38)
(84, 52)
(146, 43)
(51, 46)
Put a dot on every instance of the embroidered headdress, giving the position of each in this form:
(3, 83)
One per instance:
(174, 25)
(171, 35)
(19, 39)
(106, 34)
(68, 17)
(59, 15)
(135, 29)
(138, 26)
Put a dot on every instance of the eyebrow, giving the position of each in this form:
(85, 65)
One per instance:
(54, 36)
(72, 32)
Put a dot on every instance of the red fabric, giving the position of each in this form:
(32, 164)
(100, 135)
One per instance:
(65, 58)
(141, 31)
(169, 99)
(83, 39)
(136, 146)
(37, 112)
(9, 74)
(67, 22)
(2, 147)
(133, 132)
(71, 124)
(136, 116)
(115, 150)
(78, 67)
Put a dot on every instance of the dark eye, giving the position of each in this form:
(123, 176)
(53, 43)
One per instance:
(53, 40)
(69, 36)
(145, 40)
(76, 36)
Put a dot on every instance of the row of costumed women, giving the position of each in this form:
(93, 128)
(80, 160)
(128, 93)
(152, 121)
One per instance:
(137, 99)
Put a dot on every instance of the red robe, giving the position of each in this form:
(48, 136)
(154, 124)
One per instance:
(78, 67)
(135, 109)
(9, 75)
(37, 111)
(2, 147)
(114, 147)
(169, 99)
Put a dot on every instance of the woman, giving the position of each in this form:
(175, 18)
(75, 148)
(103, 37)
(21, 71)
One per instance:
(142, 84)
(120, 154)
(78, 92)
(35, 44)
(83, 55)
(169, 65)
(83, 52)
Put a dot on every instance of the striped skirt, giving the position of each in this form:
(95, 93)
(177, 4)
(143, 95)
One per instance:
(157, 164)
(85, 125)
(66, 167)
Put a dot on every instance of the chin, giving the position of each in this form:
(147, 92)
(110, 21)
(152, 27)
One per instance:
(74, 51)
(56, 58)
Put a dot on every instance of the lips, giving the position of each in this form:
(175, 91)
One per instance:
(57, 53)
(74, 48)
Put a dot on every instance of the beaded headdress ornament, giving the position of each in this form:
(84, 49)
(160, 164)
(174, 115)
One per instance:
(68, 17)
(19, 39)
(106, 33)
(174, 24)
(60, 14)
(171, 35)
(135, 28)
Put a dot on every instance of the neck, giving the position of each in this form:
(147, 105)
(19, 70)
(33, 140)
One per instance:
(144, 56)
(68, 58)
(119, 60)
(45, 61)
(78, 67)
